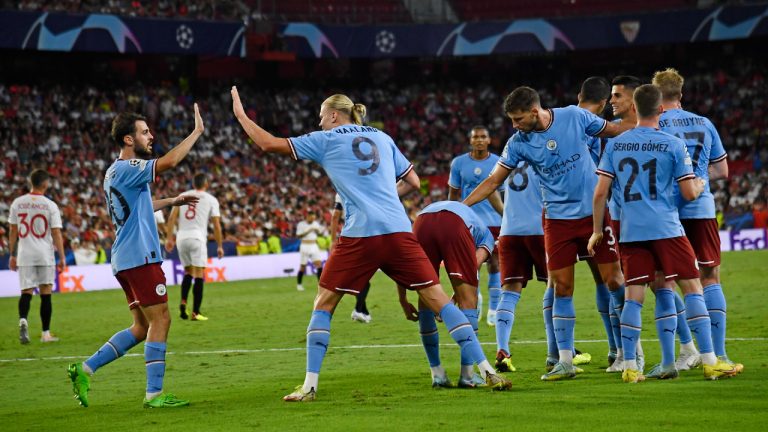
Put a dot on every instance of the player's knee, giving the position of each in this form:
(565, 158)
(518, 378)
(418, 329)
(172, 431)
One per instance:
(710, 275)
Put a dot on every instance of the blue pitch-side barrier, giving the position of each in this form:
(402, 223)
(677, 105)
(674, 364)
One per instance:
(45, 31)
(526, 35)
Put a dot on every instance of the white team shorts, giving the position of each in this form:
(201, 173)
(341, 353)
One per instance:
(34, 276)
(193, 252)
(309, 252)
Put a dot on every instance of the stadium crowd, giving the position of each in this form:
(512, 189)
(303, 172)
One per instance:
(65, 130)
(191, 9)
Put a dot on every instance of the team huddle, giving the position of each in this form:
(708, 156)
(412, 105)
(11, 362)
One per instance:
(630, 197)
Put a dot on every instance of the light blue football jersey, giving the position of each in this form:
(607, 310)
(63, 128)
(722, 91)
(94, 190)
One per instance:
(466, 175)
(480, 232)
(705, 147)
(645, 162)
(561, 159)
(522, 203)
(129, 201)
(364, 165)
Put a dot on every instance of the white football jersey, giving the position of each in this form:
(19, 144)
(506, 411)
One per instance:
(35, 216)
(193, 218)
(303, 227)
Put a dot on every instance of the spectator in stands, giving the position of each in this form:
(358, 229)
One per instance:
(760, 213)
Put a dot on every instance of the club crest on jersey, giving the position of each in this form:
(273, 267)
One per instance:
(551, 145)
(478, 171)
(160, 289)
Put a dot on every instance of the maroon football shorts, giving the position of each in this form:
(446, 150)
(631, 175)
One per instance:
(705, 240)
(495, 231)
(143, 285)
(519, 255)
(354, 261)
(673, 256)
(566, 240)
(445, 237)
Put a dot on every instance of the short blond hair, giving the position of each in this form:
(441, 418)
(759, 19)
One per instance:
(343, 104)
(670, 82)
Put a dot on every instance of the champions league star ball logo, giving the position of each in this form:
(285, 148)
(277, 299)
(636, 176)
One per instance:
(385, 41)
(184, 37)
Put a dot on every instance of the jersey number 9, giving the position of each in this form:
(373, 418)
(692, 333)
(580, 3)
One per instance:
(373, 156)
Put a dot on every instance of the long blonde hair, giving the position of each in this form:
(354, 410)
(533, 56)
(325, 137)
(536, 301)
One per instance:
(670, 82)
(343, 104)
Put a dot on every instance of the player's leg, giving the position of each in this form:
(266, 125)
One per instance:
(25, 301)
(505, 321)
(666, 324)
(430, 339)
(563, 320)
(361, 313)
(461, 331)
(46, 311)
(186, 256)
(680, 260)
(114, 348)
(318, 267)
(494, 287)
(466, 300)
(716, 306)
(603, 302)
(699, 322)
(303, 260)
(318, 338)
(198, 277)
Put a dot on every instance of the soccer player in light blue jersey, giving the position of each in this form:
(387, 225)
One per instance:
(521, 250)
(552, 142)
(646, 162)
(462, 252)
(593, 97)
(698, 216)
(467, 171)
(368, 171)
(136, 255)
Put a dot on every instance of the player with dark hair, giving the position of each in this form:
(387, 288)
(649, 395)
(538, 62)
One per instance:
(698, 216)
(645, 162)
(136, 255)
(192, 242)
(35, 228)
(467, 171)
(366, 169)
(552, 142)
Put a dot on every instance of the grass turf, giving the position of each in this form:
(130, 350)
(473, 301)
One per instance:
(236, 367)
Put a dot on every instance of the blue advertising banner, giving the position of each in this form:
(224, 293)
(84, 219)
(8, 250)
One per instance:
(525, 35)
(111, 33)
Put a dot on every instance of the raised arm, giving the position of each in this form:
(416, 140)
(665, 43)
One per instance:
(263, 139)
(488, 186)
(178, 153)
(612, 129)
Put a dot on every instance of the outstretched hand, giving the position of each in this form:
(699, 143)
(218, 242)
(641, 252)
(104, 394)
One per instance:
(199, 126)
(185, 199)
(237, 105)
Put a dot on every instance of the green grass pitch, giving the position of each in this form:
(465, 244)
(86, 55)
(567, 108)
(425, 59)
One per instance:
(236, 367)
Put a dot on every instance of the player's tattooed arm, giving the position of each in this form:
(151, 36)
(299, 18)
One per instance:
(488, 186)
(497, 202)
(691, 188)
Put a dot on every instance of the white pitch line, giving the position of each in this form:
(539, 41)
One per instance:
(266, 350)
